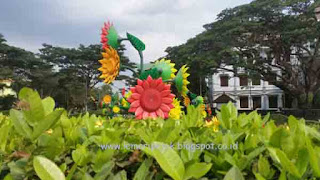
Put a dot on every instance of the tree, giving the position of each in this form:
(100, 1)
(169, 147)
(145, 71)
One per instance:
(266, 35)
(77, 70)
(23, 67)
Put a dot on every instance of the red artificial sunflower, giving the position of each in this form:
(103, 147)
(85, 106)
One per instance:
(109, 36)
(151, 98)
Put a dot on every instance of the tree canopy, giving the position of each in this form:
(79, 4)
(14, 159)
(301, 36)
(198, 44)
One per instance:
(262, 36)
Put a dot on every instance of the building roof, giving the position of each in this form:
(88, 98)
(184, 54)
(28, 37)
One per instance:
(223, 99)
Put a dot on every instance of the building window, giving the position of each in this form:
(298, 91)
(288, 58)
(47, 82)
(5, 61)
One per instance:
(224, 81)
(243, 80)
(256, 102)
(244, 102)
(256, 81)
(273, 101)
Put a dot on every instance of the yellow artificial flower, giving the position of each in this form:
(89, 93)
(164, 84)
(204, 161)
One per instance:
(175, 112)
(214, 124)
(49, 131)
(124, 103)
(215, 121)
(168, 70)
(215, 128)
(99, 123)
(110, 65)
(287, 127)
(107, 99)
(116, 109)
(185, 80)
(128, 94)
(186, 101)
(204, 114)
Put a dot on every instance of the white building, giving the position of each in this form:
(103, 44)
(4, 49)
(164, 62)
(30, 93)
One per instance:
(6, 89)
(245, 93)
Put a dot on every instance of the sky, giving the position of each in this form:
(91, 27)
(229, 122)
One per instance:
(67, 23)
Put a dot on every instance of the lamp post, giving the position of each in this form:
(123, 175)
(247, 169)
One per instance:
(317, 12)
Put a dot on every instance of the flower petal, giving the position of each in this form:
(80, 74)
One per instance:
(149, 79)
(171, 96)
(140, 82)
(165, 93)
(165, 108)
(135, 96)
(167, 100)
(139, 111)
(132, 109)
(153, 115)
(166, 115)
(135, 104)
(145, 115)
(159, 112)
(139, 89)
(133, 89)
(139, 117)
(146, 85)
(160, 87)
(167, 87)
(153, 83)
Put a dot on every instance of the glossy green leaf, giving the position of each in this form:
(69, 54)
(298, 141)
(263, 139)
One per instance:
(46, 123)
(303, 160)
(81, 155)
(143, 170)
(234, 174)
(48, 105)
(136, 42)
(20, 123)
(4, 135)
(263, 166)
(105, 171)
(196, 170)
(46, 169)
(225, 117)
(8, 177)
(168, 159)
(36, 111)
(259, 176)
(314, 159)
(287, 164)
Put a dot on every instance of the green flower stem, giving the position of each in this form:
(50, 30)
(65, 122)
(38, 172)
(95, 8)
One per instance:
(130, 69)
(122, 39)
(141, 61)
(169, 80)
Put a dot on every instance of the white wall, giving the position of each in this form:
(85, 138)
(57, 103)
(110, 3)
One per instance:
(234, 90)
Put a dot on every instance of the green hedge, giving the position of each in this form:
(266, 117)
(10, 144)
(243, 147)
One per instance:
(40, 142)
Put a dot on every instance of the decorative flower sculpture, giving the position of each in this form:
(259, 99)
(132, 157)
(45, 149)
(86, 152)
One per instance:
(213, 123)
(107, 99)
(186, 101)
(175, 112)
(151, 98)
(109, 36)
(167, 68)
(181, 80)
(110, 65)
(116, 109)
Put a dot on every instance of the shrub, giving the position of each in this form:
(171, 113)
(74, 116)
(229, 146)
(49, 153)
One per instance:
(40, 142)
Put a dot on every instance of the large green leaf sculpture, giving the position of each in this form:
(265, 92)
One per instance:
(136, 42)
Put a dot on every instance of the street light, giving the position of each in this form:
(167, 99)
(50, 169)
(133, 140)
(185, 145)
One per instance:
(317, 12)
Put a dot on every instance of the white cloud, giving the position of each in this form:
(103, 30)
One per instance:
(159, 23)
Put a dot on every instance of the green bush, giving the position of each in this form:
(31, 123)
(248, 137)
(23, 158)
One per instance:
(40, 142)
